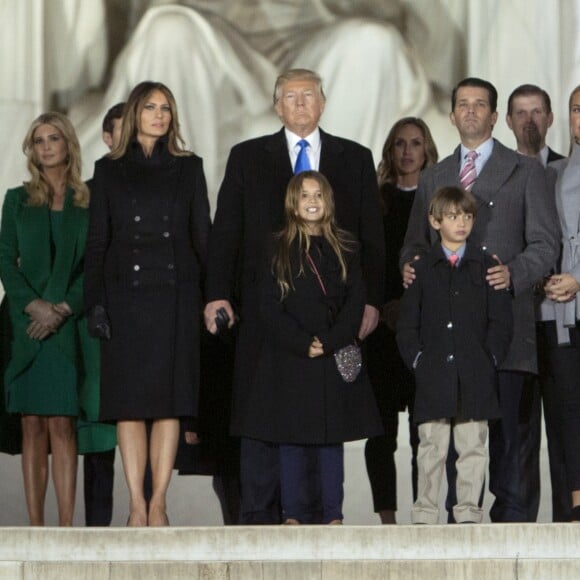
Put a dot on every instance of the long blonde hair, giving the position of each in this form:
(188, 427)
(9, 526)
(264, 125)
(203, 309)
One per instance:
(132, 115)
(387, 172)
(39, 189)
(295, 231)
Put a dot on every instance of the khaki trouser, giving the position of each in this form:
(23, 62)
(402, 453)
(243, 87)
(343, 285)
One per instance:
(469, 438)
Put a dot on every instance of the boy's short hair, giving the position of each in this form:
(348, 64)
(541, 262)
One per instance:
(115, 112)
(446, 198)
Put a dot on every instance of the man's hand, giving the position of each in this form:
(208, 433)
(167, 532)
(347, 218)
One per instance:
(192, 438)
(390, 313)
(369, 322)
(316, 348)
(210, 311)
(498, 276)
(408, 272)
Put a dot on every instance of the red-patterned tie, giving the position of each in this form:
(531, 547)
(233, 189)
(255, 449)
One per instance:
(468, 173)
(453, 259)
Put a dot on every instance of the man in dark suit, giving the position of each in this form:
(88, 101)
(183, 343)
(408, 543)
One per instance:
(529, 116)
(250, 208)
(517, 224)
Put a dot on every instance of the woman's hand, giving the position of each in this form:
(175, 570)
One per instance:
(44, 315)
(316, 348)
(63, 309)
(37, 331)
(561, 287)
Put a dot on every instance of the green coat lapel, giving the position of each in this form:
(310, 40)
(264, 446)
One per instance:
(65, 258)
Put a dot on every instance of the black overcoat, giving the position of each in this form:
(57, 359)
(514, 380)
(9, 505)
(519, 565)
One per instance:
(462, 327)
(302, 400)
(146, 248)
(251, 207)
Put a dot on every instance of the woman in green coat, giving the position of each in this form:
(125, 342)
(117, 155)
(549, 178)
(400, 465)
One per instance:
(42, 239)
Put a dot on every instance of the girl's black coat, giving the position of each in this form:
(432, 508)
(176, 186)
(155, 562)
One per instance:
(460, 325)
(302, 400)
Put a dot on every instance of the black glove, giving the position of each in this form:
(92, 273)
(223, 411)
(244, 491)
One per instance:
(221, 320)
(98, 323)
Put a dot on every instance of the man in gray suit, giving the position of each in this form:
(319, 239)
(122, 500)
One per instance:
(517, 224)
(529, 115)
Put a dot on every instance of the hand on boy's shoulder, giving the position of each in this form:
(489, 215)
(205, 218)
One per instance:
(498, 275)
(408, 273)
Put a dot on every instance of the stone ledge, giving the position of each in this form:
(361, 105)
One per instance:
(300, 570)
(304, 543)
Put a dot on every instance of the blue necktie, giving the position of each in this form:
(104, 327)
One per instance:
(302, 161)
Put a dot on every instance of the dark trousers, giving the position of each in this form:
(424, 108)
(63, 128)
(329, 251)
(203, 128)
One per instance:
(505, 472)
(565, 367)
(260, 482)
(380, 462)
(227, 490)
(542, 391)
(99, 475)
(296, 489)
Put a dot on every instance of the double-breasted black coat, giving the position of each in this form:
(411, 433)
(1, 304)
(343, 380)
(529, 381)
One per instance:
(251, 208)
(302, 400)
(462, 327)
(146, 248)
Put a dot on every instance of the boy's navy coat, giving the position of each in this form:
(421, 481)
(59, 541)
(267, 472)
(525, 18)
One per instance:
(462, 327)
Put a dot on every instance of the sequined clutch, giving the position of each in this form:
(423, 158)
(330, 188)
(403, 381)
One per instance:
(349, 362)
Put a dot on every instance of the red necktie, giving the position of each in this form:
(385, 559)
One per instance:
(453, 259)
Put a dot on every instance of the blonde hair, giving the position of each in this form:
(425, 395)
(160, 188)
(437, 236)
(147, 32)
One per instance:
(38, 188)
(300, 74)
(295, 231)
(387, 172)
(132, 115)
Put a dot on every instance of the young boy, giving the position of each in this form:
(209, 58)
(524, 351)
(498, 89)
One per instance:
(454, 330)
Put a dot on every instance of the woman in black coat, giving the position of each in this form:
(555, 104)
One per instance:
(408, 149)
(149, 223)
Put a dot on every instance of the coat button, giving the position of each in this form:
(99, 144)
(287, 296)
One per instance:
(170, 266)
(136, 267)
(137, 237)
(450, 358)
(450, 324)
(484, 248)
(137, 218)
(135, 282)
(136, 250)
(490, 204)
(165, 218)
(166, 234)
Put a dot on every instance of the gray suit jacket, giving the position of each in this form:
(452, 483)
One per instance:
(516, 220)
